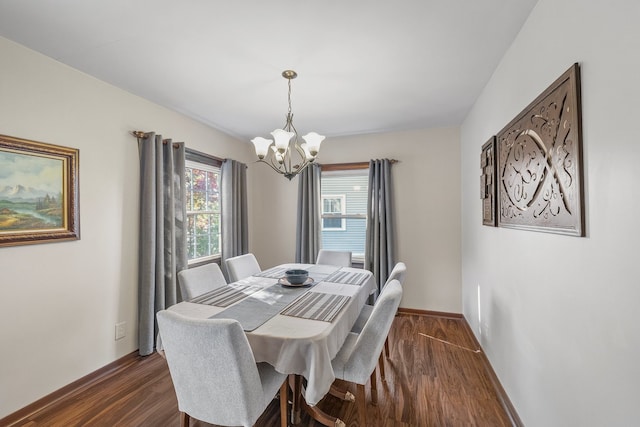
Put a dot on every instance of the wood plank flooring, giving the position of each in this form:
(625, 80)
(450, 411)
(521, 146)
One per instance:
(433, 378)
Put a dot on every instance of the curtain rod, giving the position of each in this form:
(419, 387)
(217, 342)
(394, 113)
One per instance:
(141, 134)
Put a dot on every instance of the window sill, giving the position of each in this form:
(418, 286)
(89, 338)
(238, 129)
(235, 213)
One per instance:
(202, 261)
(357, 262)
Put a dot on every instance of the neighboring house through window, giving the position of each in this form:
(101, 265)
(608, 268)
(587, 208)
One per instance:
(333, 211)
(344, 208)
(203, 207)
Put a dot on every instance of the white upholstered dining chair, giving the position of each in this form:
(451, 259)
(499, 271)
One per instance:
(199, 280)
(214, 373)
(242, 266)
(356, 360)
(329, 257)
(398, 273)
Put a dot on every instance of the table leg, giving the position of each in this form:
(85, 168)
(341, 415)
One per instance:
(284, 397)
(296, 386)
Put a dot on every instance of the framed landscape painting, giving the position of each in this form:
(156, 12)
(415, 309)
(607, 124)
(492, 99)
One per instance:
(38, 192)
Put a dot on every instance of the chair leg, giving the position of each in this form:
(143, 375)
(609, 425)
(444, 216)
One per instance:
(284, 399)
(361, 404)
(381, 366)
(374, 388)
(184, 419)
(346, 395)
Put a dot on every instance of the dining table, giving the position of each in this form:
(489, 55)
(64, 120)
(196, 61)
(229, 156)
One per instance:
(298, 329)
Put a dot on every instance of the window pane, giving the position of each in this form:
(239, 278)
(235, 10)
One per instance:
(332, 222)
(188, 180)
(203, 211)
(188, 201)
(333, 204)
(199, 180)
(214, 233)
(212, 181)
(202, 245)
(351, 239)
(345, 194)
(198, 200)
(213, 202)
(202, 224)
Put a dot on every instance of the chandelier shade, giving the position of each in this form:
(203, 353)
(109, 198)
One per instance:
(287, 156)
(262, 146)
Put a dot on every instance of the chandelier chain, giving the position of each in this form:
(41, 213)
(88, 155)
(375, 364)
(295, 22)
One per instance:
(289, 95)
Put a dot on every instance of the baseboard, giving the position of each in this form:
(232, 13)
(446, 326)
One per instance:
(21, 415)
(417, 312)
(502, 395)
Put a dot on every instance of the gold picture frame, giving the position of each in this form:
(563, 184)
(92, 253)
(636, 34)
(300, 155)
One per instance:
(38, 192)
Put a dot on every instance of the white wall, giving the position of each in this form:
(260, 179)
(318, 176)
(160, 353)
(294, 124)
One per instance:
(60, 301)
(66, 297)
(557, 315)
(427, 196)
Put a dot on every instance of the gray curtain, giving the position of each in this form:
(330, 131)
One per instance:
(379, 255)
(308, 229)
(235, 223)
(162, 245)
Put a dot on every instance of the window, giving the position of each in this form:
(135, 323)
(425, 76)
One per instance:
(344, 209)
(333, 210)
(203, 207)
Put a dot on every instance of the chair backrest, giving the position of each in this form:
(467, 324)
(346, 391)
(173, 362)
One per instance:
(242, 266)
(398, 273)
(329, 257)
(364, 355)
(213, 370)
(198, 280)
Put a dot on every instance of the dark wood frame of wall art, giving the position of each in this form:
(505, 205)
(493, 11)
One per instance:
(70, 227)
(488, 185)
(540, 183)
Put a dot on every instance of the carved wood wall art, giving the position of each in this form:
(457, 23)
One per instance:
(488, 182)
(540, 162)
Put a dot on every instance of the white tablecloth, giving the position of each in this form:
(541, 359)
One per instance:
(295, 345)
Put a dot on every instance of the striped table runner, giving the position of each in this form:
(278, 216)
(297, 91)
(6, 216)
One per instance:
(347, 277)
(256, 309)
(273, 273)
(316, 306)
(224, 296)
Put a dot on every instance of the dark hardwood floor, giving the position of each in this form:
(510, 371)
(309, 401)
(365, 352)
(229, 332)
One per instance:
(433, 378)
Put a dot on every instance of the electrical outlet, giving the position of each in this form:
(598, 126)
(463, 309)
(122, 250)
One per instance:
(120, 333)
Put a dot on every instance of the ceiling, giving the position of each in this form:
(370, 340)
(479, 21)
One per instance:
(363, 65)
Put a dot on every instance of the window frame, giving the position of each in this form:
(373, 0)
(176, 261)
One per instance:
(206, 162)
(343, 169)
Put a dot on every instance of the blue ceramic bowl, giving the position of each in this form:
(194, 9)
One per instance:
(296, 277)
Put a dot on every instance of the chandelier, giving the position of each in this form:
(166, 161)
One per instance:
(286, 156)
